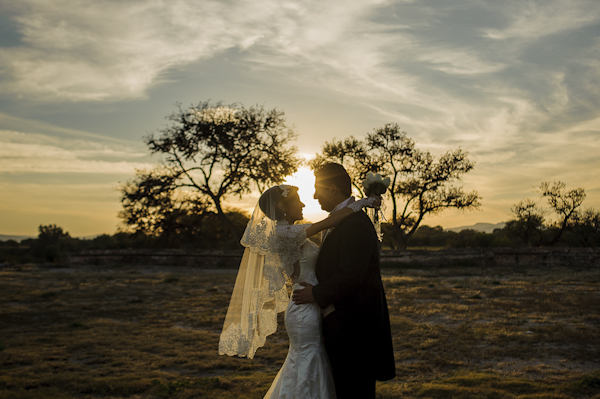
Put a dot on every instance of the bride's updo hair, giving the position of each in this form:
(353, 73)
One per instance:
(272, 202)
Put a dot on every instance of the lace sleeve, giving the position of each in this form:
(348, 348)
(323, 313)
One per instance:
(369, 202)
(287, 242)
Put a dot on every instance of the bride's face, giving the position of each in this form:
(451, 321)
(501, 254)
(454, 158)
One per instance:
(293, 207)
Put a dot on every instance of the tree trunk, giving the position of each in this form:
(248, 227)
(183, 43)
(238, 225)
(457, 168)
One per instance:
(234, 234)
(557, 236)
(400, 238)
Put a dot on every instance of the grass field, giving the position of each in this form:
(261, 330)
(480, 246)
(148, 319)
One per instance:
(134, 332)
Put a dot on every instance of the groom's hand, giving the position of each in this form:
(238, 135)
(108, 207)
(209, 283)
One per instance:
(304, 295)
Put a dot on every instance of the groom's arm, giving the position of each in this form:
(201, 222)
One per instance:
(355, 255)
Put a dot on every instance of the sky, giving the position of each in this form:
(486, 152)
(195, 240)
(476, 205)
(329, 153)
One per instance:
(82, 82)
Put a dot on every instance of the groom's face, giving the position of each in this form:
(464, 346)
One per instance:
(325, 195)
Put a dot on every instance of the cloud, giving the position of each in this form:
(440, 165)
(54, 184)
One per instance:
(459, 62)
(43, 129)
(535, 19)
(111, 50)
(37, 153)
(455, 72)
(88, 50)
(411, 60)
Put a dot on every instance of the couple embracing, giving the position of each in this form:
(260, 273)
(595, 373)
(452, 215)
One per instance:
(337, 319)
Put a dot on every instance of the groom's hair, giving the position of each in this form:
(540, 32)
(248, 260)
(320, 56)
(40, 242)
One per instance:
(334, 173)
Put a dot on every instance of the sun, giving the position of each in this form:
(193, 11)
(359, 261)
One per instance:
(304, 179)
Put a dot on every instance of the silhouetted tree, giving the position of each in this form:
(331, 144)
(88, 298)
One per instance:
(420, 184)
(394, 154)
(587, 228)
(427, 190)
(529, 223)
(155, 209)
(564, 203)
(427, 236)
(12, 252)
(526, 222)
(51, 242)
(437, 237)
(153, 206)
(213, 234)
(217, 150)
(469, 238)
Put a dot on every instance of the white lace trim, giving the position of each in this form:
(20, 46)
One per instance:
(368, 202)
(280, 249)
(238, 341)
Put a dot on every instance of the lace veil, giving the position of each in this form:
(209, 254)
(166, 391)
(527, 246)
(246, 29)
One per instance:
(272, 246)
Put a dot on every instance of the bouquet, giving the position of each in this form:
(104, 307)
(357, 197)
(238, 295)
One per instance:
(375, 185)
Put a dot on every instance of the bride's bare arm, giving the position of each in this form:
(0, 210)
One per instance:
(335, 218)
(331, 221)
(296, 272)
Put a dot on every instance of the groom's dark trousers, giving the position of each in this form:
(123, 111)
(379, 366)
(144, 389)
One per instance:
(350, 366)
(357, 333)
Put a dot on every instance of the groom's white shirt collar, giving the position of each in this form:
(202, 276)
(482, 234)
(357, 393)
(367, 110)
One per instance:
(343, 204)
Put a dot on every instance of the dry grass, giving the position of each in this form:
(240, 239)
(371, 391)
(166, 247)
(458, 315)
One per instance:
(459, 332)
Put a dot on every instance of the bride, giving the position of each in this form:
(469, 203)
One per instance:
(276, 250)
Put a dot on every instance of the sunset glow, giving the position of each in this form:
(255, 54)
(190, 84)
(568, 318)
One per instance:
(514, 84)
(304, 179)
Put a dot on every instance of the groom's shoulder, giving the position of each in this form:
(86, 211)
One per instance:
(358, 219)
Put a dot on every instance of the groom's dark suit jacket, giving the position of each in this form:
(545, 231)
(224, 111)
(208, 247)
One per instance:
(350, 278)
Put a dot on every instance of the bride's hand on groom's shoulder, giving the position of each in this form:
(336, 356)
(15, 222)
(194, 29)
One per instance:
(377, 202)
(304, 295)
(373, 201)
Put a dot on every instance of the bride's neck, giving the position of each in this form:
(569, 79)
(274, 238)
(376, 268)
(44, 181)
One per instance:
(290, 220)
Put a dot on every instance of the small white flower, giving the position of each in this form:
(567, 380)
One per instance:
(285, 190)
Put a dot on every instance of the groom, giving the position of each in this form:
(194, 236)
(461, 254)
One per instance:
(356, 325)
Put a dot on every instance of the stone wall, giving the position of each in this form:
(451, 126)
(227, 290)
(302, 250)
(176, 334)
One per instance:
(465, 257)
(496, 256)
(150, 257)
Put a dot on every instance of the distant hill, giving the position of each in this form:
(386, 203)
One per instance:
(90, 237)
(483, 227)
(4, 237)
(16, 238)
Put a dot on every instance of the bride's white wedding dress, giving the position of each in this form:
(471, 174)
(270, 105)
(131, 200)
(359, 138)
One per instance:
(273, 247)
(306, 373)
